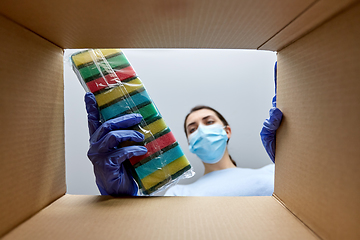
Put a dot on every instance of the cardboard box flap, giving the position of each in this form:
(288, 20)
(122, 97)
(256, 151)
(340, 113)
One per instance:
(32, 172)
(317, 156)
(314, 16)
(155, 24)
(100, 217)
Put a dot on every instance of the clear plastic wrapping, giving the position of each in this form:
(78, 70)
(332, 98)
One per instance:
(118, 91)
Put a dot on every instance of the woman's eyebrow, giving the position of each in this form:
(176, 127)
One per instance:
(190, 124)
(204, 118)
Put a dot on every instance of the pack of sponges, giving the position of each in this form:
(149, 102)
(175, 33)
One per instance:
(118, 90)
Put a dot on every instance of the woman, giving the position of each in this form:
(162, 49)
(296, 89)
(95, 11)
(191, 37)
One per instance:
(208, 133)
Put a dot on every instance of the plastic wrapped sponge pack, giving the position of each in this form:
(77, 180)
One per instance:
(118, 91)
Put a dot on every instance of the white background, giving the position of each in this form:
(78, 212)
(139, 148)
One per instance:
(237, 83)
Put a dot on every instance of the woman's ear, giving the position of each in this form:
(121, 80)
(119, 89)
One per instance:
(228, 131)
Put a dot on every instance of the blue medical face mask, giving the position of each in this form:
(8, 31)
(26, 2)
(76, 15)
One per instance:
(208, 143)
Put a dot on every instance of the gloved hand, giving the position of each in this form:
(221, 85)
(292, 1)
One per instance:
(268, 132)
(112, 178)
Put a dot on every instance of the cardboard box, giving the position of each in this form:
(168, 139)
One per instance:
(317, 187)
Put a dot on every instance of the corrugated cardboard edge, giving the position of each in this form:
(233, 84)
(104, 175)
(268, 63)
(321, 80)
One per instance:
(32, 155)
(34, 214)
(284, 206)
(28, 29)
(104, 217)
(315, 15)
(263, 45)
(318, 141)
(229, 24)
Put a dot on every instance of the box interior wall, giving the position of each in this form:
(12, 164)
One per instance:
(316, 183)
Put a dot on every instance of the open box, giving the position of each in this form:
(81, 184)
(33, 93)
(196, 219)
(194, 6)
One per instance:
(317, 187)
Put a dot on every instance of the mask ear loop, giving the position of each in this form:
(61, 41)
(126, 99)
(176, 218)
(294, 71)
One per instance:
(225, 127)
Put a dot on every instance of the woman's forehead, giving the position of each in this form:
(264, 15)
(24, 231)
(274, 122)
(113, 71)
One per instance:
(199, 115)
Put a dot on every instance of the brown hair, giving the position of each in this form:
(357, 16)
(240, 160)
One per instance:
(221, 117)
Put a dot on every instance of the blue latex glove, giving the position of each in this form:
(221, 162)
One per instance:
(112, 177)
(268, 132)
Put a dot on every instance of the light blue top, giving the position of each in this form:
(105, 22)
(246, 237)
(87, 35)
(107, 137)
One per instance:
(230, 182)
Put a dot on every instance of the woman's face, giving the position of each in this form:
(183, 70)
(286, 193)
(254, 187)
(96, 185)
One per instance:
(205, 117)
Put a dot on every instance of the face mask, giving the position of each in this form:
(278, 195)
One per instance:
(208, 143)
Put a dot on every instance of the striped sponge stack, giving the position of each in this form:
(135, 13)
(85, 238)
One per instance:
(118, 91)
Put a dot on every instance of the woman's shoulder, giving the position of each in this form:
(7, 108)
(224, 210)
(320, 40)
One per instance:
(268, 168)
(227, 182)
(175, 190)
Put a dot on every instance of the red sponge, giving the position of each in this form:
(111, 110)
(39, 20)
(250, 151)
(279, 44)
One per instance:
(155, 146)
(108, 80)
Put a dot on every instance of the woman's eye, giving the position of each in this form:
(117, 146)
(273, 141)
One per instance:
(210, 122)
(192, 130)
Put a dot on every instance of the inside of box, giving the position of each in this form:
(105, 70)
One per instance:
(32, 126)
(97, 217)
(230, 24)
(317, 155)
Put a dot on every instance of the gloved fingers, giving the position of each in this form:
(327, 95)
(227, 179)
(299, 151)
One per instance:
(118, 123)
(276, 117)
(268, 140)
(93, 112)
(269, 143)
(268, 132)
(275, 77)
(126, 184)
(131, 151)
(274, 101)
(114, 158)
(129, 186)
(114, 138)
(109, 162)
(275, 80)
(273, 123)
(117, 180)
